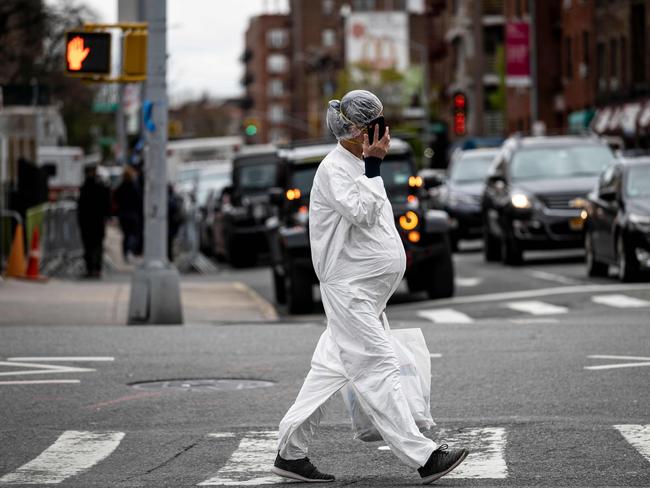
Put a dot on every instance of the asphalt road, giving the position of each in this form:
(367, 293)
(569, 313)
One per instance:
(540, 371)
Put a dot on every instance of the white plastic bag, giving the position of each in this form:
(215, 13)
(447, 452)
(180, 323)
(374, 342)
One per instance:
(415, 376)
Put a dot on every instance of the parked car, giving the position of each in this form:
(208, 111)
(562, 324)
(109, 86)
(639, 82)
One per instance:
(618, 220)
(532, 190)
(210, 182)
(238, 223)
(460, 195)
(424, 232)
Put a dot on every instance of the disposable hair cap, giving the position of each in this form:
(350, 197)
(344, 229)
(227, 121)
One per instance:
(347, 117)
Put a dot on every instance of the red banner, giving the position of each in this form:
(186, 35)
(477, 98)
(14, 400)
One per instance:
(517, 51)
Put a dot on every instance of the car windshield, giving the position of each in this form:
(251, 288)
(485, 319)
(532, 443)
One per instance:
(638, 181)
(211, 181)
(303, 178)
(559, 162)
(256, 177)
(395, 174)
(471, 168)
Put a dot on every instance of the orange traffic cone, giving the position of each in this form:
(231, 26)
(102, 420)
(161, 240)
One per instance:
(16, 262)
(34, 263)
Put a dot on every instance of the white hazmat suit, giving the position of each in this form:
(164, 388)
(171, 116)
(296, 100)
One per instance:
(359, 259)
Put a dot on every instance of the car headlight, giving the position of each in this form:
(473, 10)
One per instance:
(521, 200)
(640, 220)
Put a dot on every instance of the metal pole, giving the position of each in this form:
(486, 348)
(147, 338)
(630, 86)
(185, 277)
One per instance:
(155, 286)
(120, 127)
(534, 109)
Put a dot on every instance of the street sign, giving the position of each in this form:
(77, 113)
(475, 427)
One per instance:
(88, 53)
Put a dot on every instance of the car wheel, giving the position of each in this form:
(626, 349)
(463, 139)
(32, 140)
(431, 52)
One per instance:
(440, 280)
(279, 287)
(594, 267)
(299, 297)
(240, 256)
(491, 245)
(453, 242)
(511, 253)
(628, 265)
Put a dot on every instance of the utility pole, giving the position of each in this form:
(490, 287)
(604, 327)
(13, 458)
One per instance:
(155, 285)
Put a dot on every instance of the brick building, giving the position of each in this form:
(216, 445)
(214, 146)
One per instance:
(267, 78)
(314, 56)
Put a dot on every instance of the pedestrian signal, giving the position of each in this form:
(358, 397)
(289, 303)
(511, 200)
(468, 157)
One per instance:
(250, 127)
(134, 54)
(88, 53)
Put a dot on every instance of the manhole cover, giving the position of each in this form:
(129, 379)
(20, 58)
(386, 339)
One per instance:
(205, 384)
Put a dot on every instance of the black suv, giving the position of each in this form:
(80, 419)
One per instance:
(423, 232)
(618, 220)
(244, 206)
(532, 194)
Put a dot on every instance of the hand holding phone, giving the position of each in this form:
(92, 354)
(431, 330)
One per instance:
(380, 123)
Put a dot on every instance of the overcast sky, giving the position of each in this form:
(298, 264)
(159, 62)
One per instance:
(206, 38)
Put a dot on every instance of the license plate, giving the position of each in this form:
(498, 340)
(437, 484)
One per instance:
(576, 223)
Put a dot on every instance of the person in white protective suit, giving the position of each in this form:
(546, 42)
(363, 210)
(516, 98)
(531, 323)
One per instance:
(359, 259)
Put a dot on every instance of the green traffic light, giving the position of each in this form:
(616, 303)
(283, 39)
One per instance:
(251, 130)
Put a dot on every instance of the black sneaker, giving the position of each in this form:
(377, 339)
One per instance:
(442, 461)
(299, 469)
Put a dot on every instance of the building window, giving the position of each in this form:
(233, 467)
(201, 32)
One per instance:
(277, 63)
(638, 43)
(623, 60)
(613, 58)
(328, 7)
(276, 88)
(276, 113)
(363, 5)
(277, 38)
(586, 54)
(600, 64)
(328, 37)
(569, 58)
(518, 10)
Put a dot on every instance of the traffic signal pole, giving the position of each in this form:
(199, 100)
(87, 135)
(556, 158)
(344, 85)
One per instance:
(155, 285)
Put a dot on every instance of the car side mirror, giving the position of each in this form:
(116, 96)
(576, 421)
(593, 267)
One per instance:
(607, 195)
(432, 179)
(276, 196)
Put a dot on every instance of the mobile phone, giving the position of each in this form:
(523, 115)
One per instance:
(379, 121)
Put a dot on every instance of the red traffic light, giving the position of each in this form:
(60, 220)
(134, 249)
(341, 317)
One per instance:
(88, 53)
(460, 101)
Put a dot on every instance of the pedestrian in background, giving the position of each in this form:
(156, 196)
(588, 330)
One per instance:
(174, 219)
(359, 259)
(128, 203)
(93, 209)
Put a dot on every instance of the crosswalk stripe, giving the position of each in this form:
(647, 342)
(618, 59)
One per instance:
(487, 452)
(467, 282)
(638, 436)
(535, 307)
(445, 315)
(72, 453)
(251, 462)
(620, 301)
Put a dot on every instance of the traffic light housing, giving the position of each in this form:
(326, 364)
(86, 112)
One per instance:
(134, 54)
(251, 126)
(459, 102)
(88, 53)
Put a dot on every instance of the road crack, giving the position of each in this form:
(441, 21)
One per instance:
(166, 461)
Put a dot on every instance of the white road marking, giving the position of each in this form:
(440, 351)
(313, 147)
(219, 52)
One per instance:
(638, 436)
(540, 292)
(544, 275)
(639, 362)
(222, 435)
(468, 282)
(38, 382)
(544, 320)
(72, 453)
(620, 301)
(536, 308)
(435, 355)
(251, 462)
(45, 368)
(487, 452)
(446, 316)
(66, 359)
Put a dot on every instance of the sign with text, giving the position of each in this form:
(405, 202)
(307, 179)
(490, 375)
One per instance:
(378, 39)
(517, 54)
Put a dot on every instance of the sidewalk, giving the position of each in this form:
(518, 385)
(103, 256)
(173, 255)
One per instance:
(58, 302)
